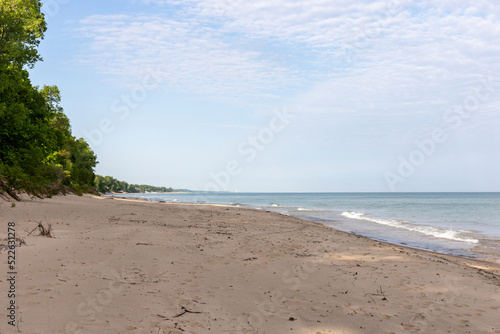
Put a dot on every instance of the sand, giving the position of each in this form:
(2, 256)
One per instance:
(123, 266)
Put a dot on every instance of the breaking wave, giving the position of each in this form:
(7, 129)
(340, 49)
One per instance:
(450, 234)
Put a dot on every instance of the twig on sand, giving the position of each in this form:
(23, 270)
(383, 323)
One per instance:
(149, 243)
(185, 310)
(33, 230)
(198, 301)
(380, 292)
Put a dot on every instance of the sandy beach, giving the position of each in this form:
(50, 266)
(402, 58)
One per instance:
(129, 266)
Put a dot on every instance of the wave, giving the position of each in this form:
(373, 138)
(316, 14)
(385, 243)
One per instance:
(449, 234)
(304, 209)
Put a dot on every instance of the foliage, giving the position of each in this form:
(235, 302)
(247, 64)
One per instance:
(105, 184)
(22, 26)
(38, 154)
(26, 136)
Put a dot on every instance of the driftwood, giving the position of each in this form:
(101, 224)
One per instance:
(144, 243)
(185, 310)
(380, 293)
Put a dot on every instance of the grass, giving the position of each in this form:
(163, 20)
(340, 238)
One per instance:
(43, 231)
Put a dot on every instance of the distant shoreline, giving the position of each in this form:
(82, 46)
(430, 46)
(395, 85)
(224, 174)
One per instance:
(122, 193)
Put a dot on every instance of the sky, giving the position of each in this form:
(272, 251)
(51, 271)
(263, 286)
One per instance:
(282, 96)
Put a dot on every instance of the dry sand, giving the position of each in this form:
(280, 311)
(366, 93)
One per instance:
(118, 266)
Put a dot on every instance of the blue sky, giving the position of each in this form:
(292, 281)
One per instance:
(281, 95)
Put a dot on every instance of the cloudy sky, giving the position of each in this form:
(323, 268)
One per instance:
(275, 95)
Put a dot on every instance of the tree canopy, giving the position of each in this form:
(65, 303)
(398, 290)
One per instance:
(105, 184)
(38, 153)
(22, 26)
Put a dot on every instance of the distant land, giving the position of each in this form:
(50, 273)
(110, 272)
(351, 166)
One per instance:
(108, 184)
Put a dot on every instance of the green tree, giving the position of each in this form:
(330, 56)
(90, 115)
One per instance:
(99, 184)
(22, 26)
(83, 161)
(38, 153)
(26, 137)
(73, 164)
(60, 160)
(110, 184)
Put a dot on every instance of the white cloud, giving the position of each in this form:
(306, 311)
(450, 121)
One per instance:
(192, 56)
(365, 78)
(380, 56)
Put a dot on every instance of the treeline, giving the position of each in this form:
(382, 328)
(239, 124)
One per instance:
(38, 153)
(107, 184)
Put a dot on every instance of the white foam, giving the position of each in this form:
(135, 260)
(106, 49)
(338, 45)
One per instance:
(304, 209)
(449, 234)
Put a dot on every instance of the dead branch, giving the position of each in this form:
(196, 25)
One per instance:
(380, 293)
(149, 243)
(185, 310)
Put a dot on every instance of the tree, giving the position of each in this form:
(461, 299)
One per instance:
(83, 161)
(110, 184)
(22, 26)
(38, 154)
(58, 119)
(26, 137)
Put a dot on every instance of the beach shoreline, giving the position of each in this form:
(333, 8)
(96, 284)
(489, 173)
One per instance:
(487, 258)
(243, 270)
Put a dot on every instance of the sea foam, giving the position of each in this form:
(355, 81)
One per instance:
(450, 234)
